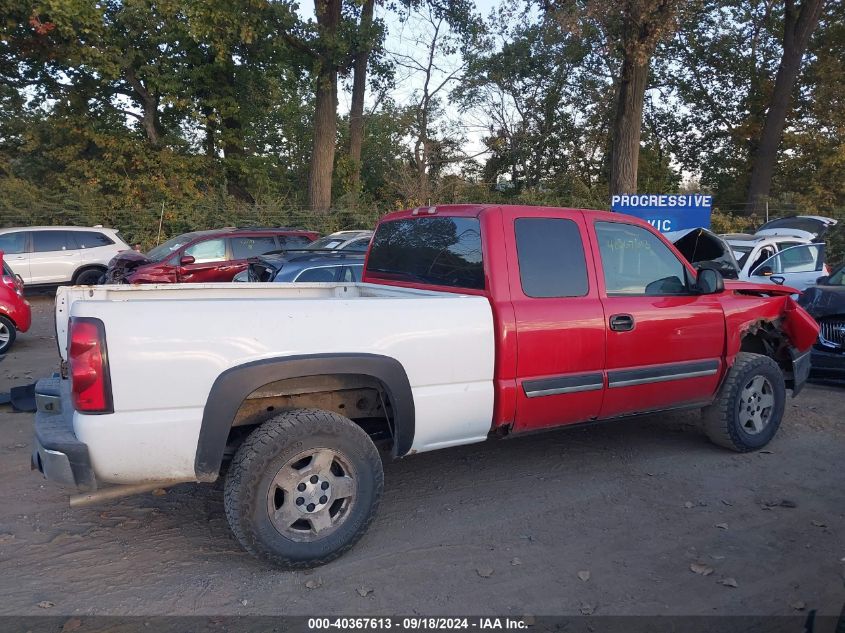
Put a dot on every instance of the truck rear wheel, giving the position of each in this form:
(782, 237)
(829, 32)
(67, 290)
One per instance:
(749, 408)
(303, 488)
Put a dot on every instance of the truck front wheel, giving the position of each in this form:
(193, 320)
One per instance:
(749, 408)
(303, 488)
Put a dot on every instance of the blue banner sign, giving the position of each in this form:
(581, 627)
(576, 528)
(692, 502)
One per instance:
(666, 212)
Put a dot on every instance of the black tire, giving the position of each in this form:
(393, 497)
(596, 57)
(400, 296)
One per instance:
(8, 333)
(732, 420)
(274, 450)
(88, 277)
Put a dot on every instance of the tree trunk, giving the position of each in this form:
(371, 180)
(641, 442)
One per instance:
(627, 126)
(799, 24)
(234, 153)
(149, 107)
(325, 113)
(232, 141)
(359, 87)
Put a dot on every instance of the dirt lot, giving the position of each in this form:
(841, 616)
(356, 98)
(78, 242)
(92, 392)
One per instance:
(505, 528)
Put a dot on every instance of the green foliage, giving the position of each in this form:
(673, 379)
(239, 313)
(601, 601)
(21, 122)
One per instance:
(110, 110)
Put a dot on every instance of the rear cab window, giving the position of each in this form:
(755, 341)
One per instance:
(437, 251)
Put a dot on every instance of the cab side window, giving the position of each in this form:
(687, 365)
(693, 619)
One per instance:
(551, 258)
(207, 251)
(636, 262)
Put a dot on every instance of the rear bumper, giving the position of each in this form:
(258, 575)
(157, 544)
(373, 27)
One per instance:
(58, 454)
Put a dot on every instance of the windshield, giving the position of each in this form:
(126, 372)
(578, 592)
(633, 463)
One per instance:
(163, 251)
(444, 251)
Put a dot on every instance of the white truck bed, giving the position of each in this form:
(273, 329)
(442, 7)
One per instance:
(168, 343)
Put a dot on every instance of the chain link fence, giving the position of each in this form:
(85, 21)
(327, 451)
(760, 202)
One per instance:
(151, 226)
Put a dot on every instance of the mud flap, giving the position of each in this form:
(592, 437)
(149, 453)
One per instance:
(800, 369)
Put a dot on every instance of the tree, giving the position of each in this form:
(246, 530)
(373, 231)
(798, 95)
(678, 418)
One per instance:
(325, 111)
(799, 22)
(632, 31)
(364, 43)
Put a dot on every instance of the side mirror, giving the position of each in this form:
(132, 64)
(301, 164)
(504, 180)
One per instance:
(186, 259)
(709, 282)
(777, 279)
(821, 281)
(765, 271)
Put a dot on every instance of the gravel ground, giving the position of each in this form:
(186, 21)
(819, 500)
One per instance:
(638, 517)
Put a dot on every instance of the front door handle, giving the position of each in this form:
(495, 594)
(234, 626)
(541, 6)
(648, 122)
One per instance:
(621, 322)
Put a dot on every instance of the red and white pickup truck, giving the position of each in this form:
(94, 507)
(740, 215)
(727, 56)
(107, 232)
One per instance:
(473, 322)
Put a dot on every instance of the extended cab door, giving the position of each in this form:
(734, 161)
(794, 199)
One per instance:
(664, 342)
(559, 320)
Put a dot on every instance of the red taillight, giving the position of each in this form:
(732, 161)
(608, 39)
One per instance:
(88, 366)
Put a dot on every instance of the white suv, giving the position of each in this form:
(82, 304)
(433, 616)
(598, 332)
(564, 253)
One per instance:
(49, 255)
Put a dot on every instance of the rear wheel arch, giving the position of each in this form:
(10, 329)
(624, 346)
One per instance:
(232, 388)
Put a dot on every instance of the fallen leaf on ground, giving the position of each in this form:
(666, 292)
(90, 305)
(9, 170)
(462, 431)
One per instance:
(722, 526)
(688, 505)
(587, 609)
(515, 561)
(798, 605)
(484, 572)
(584, 575)
(818, 523)
(702, 569)
(159, 492)
(46, 604)
(727, 503)
(364, 591)
(728, 582)
(313, 584)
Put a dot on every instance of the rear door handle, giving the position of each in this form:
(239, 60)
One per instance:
(621, 322)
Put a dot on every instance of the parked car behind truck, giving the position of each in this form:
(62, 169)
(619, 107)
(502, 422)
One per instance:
(825, 301)
(52, 255)
(473, 322)
(15, 312)
(203, 256)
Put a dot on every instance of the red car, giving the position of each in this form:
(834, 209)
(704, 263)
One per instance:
(203, 256)
(15, 314)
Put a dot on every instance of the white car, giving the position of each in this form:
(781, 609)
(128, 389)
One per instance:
(781, 259)
(50, 255)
